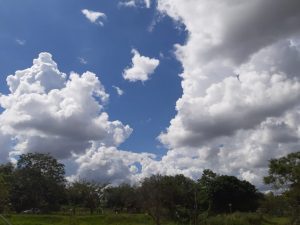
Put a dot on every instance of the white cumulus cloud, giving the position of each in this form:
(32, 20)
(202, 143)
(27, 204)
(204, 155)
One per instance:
(110, 165)
(47, 112)
(227, 125)
(230, 126)
(5, 143)
(136, 3)
(141, 68)
(129, 3)
(94, 17)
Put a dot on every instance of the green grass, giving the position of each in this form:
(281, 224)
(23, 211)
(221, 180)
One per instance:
(110, 219)
(279, 220)
(38, 220)
(245, 219)
(140, 219)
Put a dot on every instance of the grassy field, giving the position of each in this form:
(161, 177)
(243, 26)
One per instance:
(138, 219)
(245, 219)
(112, 219)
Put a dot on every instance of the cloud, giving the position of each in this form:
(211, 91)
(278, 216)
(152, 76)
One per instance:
(233, 29)
(230, 106)
(141, 69)
(230, 126)
(129, 3)
(135, 3)
(82, 60)
(47, 112)
(110, 165)
(42, 77)
(244, 154)
(94, 17)
(283, 56)
(118, 90)
(20, 42)
(5, 143)
(147, 3)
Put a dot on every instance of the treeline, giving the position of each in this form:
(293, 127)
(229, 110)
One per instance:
(37, 184)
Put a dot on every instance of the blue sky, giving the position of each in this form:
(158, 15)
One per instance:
(182, 109)
(60, 28)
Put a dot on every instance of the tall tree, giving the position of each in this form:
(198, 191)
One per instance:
(182, 199)
(4, 194)
(6, 177)
(153, 194)
(227, 193)
(38, 182)
(230, 194)
(206, 183)
(284, 174)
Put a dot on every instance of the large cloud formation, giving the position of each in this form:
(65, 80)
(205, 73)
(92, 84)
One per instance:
(230, 125)
(47, 112)
(110, 165)
(235, 126)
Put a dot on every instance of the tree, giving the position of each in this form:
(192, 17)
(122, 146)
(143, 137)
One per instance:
(6, 170)
(170, 196)
(182, 198)
(275, 205)
(230, 194)
(85, 194)
(123, 198)
(38, 182)
(284, 174)
(153, 194)
(6, 176)
(4, 194)
(227, 193)
(206, 183)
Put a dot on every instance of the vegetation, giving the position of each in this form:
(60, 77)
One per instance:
(226, 194)
(284, 174)
(86, 194)
(37, 182)
(141, 219)
(4, 195)
(37, 185)
(111, 219)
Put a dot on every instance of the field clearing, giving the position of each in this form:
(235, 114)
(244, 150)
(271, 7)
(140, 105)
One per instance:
(136, 219)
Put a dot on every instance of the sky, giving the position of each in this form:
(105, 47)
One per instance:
(119, 90)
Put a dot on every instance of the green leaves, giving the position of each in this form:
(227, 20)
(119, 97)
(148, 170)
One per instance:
(228, 193)
(38, 182)
(284, 172)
